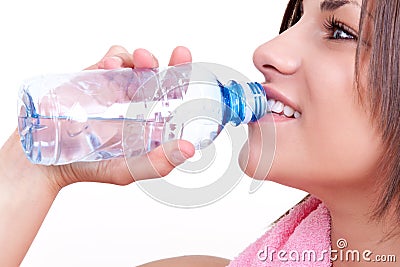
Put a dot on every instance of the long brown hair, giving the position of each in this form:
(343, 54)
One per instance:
(379, 42)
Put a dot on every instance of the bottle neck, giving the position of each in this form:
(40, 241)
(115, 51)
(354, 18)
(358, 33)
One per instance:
(244, 102)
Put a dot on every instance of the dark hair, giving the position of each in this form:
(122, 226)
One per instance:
(379, 43)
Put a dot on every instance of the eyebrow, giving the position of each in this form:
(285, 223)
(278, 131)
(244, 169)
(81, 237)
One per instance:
(331, 5)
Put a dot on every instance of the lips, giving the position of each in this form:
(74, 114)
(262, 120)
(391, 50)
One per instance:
(281, 105)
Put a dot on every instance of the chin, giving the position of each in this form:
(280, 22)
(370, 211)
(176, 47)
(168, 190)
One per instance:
(256, 162)
(257, 154)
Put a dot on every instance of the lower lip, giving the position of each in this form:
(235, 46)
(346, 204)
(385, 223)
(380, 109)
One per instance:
(272, 117)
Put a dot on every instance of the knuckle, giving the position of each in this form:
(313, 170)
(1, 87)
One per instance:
(116, 49)
(161, 167)
(164, 171)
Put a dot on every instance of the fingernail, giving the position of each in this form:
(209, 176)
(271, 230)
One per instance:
(178, 157)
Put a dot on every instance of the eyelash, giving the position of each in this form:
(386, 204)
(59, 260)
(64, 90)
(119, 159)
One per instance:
(332, 24)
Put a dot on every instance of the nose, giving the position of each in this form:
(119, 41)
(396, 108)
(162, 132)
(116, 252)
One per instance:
(281, 55)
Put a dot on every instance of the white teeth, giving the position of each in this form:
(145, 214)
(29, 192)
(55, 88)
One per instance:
(271, 103)
(288, 111)
(278, 107)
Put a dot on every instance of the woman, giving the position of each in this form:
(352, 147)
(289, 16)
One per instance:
(335, 63)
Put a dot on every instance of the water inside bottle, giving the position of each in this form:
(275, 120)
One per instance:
(95, 139)
(110, 135)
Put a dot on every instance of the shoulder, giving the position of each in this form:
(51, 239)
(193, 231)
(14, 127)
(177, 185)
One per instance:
(192, 261)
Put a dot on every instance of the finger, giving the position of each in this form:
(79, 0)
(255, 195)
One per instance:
(180, 55)
(161, 161)
(157, 163)
(122, 60)
(119, 52)
(115, 50)
(144, 59)
(112, 171)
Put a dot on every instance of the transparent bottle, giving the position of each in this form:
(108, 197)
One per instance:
(102, 114)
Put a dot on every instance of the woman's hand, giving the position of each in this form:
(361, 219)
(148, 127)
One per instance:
(27, 190)
(119, 57)
(158, 162)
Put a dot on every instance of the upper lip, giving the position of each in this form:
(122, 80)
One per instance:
(271, 93)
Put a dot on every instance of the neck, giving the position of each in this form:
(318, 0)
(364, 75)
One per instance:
(352, 222)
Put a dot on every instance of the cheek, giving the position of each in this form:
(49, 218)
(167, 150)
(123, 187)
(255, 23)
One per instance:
(333, 144)
(345, 147)
(319, 153)
(338, 138)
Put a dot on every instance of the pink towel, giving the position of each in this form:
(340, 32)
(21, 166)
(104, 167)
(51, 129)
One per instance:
(301, 238)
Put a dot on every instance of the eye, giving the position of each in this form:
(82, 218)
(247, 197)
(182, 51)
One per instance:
(337, 30)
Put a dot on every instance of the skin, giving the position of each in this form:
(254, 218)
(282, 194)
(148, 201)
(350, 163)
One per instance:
(27, 191)
(331, 151)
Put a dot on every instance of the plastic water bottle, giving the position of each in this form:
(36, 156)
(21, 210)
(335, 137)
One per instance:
(101, 114)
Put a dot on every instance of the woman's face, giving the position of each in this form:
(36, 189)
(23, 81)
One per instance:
(309, 69)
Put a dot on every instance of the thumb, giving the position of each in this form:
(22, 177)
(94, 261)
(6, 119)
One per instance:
(177, 152)
(157, 163)
(160, 161)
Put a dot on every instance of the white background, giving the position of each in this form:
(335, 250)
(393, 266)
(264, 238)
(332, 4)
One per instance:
(106, 225)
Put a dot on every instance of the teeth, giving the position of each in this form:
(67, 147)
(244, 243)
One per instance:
(271, 103)
(288, 111)
(279, 108)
